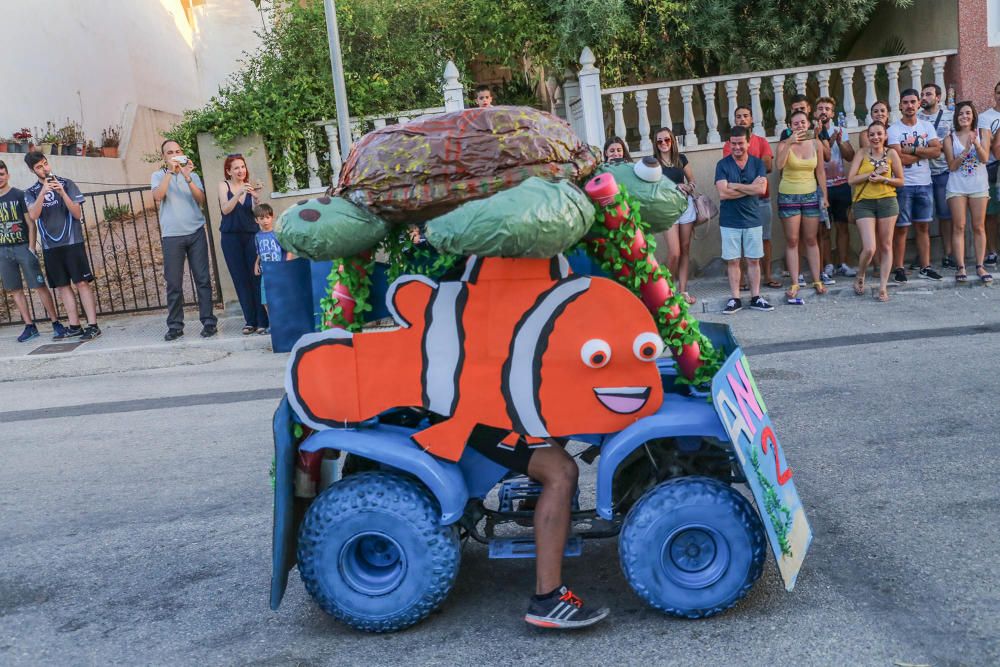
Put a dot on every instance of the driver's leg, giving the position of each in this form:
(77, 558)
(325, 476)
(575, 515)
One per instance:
(556, 471)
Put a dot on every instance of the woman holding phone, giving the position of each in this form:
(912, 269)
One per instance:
(237, 197)
(802, 173)
(967, 150)
(875, 173)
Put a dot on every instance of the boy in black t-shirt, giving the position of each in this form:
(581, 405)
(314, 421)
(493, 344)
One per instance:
(17, 255)
(54, 204)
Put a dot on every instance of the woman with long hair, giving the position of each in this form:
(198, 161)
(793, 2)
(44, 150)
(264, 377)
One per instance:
(967, 151)
(675, 167)
(875, 173)
(798, 201)
(879, 112)
(237, 197)
(616, 151)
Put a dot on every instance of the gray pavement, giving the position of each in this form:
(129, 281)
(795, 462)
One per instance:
(139, 533)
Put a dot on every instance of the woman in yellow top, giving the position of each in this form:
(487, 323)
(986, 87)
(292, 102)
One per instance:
(800, 194)
(876, 172)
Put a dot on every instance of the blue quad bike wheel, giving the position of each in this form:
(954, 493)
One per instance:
(373, 554)
(692, 547)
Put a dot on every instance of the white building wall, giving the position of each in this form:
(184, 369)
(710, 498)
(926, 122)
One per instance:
(225, 32)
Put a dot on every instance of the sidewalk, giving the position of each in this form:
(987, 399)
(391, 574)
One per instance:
(127, 343)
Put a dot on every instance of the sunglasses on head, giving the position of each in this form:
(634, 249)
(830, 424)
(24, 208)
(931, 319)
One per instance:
(235, 155)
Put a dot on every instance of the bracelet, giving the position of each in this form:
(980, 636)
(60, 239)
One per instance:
(189, 180)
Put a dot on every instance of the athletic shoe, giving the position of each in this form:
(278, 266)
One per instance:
(173, 334)
(826, 279)
(802, 280)
(30, 331)
(927, 273)
(58, 331)
(845, 270)
(991, 259)
(948, 262)
(732, 306)
(562, 610)
(209, 330)
(760, 303)
(899, 275)
(91, 332)
(828, 269)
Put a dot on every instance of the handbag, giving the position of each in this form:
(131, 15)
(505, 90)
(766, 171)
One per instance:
(704, 208)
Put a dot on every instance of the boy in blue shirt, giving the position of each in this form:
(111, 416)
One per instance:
(268, 248)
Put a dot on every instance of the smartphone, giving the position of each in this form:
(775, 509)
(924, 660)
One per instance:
(810, 134)
(51, 178)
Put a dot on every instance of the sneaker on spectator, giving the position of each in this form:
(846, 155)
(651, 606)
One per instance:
(30, 331)
(948, 262)
(899, 275)
(991, 259)
(59, 331)
(927, 273)
(91, 332)
(732, 306)
(828, 269)
(827, 279)
(845, 270)
(802, 280)
(760, 303)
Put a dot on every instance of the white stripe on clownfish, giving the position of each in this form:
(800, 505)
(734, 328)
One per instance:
(521, 375)
(443, 347)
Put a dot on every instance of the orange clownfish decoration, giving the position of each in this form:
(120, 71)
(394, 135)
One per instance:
(519, 344)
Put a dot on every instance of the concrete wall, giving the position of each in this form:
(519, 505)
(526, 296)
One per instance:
(224, 33)
(928, 25)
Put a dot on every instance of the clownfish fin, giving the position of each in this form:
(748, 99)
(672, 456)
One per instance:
(317, 401)
(530, 440)
(445, 439)
(407, 297)
(511, 439)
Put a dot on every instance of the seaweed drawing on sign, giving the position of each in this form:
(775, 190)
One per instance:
(774, 507)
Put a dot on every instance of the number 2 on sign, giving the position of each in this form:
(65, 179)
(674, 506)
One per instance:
(768, 434)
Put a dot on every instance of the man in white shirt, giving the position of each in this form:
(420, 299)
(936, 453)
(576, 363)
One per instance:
(990, 119)
(837, 155)
(932, 111)
(916, 142)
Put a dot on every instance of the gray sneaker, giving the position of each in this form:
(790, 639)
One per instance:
(827, 279)
(562, 611)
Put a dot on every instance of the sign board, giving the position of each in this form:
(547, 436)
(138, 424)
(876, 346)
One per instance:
(740, 407)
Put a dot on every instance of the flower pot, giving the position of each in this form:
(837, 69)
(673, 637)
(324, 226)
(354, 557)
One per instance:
(67, 149)
(109, 151)
(3, 146)
(79, 149)
(46, 149)
(56, 149)
(22, 147)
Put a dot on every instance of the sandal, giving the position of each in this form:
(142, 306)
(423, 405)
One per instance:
(690, 299)
(859, 285)
(961, 276)
(774, 284)
(883, 295)
(247, 330)
(984, 277)
(819, 287)
(792, 296)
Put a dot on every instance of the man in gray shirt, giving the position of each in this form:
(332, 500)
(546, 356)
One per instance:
(181, 193)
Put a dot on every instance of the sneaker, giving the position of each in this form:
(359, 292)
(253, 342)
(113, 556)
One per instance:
(73, 331)
(91, 332)
(991, 259)
(828, 269)
(802, 280)
(263, 331)
(30, 331)
(845, 270)
(58, 331)
(760, 303)
(732, 306)
(913, 267)
(827, 279)
(899, 275)
(948, 262)
(173, 334)
(209, 330)
(927, 273)
(562, 611)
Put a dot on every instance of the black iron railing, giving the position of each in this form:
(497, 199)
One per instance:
(122, 237)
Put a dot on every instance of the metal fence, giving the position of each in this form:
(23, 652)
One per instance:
(121, 231)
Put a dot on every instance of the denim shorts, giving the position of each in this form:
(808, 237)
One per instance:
(17, 258)
(940, 183)
(916, 204)
(883, 207)
(742, 242)
(806, 205)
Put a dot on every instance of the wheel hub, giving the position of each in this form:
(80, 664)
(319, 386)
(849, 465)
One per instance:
(695, 556)
(372, 563)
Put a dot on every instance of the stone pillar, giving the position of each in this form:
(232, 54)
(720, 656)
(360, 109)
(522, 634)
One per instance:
(976, 69)
(452, 89)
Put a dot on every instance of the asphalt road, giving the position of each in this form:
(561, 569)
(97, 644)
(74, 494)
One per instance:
(135, 528)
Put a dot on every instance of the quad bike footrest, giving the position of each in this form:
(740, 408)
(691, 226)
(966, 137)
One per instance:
(524, 547)
(525, 488)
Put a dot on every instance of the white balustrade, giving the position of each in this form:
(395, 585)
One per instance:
(938, 65)
(291, 183)
(590, 98)
(731, 88)
(690, 138)
(823, 78)
(711, 115)
(379, 123)
(663, 96)
(892, 70)
(870, 97)
(755, 107)
(312, 162)
(778, 85)
(801, 79)
(916, 68)
(618, 109)
(333, 144)
(452, 89)
(641, 96)
(847, 78)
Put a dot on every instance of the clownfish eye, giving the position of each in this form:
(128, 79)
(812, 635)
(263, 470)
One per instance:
(596, 353)
(647, 346)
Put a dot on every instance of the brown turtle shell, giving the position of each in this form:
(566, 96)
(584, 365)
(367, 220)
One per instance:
(432, 164)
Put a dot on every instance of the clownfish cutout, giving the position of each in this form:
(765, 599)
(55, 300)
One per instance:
(519, 344)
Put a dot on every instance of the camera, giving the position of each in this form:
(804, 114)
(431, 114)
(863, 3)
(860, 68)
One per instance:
(181, 160)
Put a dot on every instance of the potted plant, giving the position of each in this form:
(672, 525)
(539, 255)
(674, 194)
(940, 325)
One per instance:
(3, 144)
(92, 150)
(22, 139)
(71, 136)
(47, 139)
(110, 138)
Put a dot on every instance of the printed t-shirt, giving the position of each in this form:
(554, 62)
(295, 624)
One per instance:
(741, 213)
(835, 169)
(990, 120)
(939, 165)
(268, 248)
(56, 225)
(13, 218)
(920, 135)
(758, 147)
